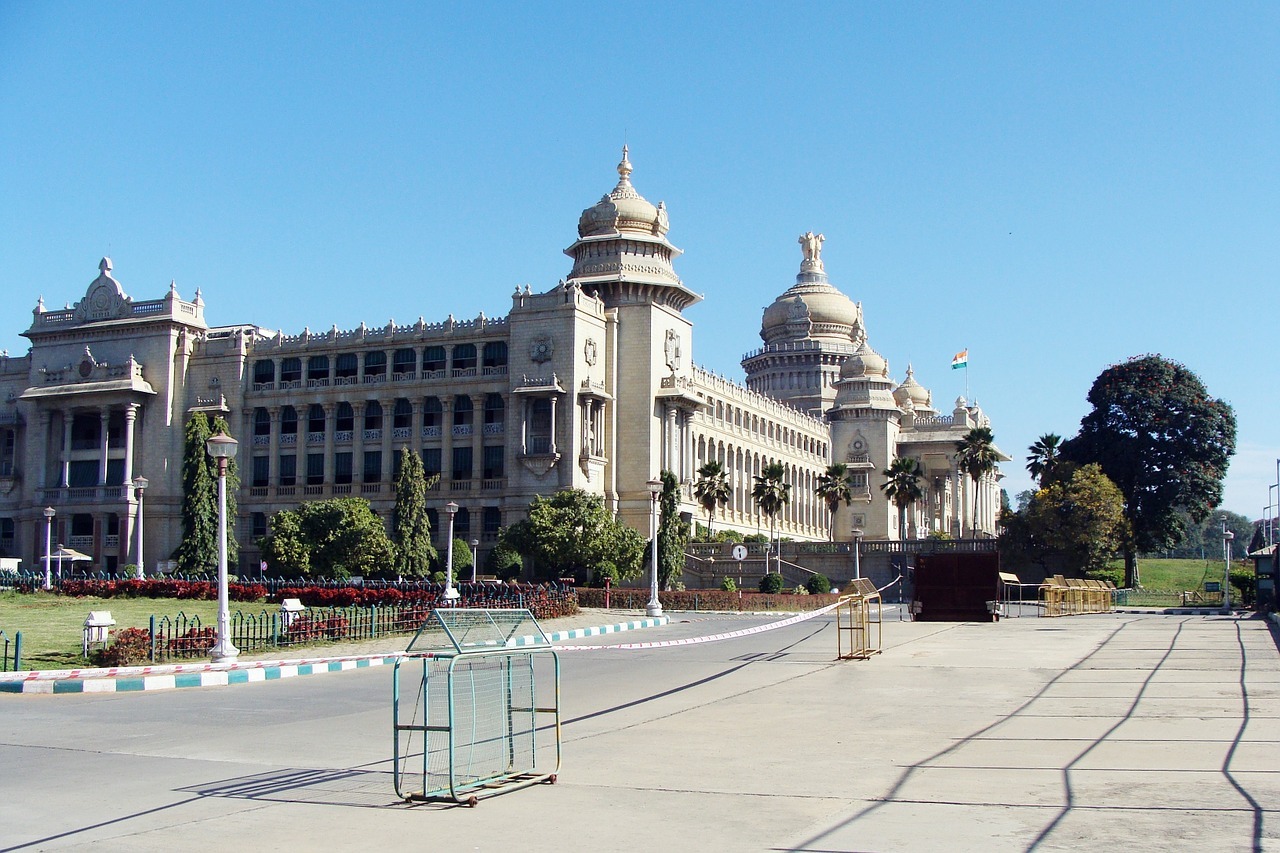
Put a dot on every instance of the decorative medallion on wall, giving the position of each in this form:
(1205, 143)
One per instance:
(671, 349)
(540, 349)
(87, 364)
(589, 352)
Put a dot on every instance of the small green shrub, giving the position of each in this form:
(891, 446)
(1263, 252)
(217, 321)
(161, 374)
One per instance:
(129, 647)
(771, 584)
(1116, 576)
(606, 570)
(729, 584)
(818, 584)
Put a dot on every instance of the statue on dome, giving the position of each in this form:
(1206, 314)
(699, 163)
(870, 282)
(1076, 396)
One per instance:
(811, 245)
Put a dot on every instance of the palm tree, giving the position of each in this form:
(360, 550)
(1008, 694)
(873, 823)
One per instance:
(833, 487)
(1044, 457)
(771, 495)
(977, 456)
(902, 486)
(712, 489)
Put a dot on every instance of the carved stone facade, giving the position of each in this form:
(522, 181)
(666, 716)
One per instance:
(590, 384)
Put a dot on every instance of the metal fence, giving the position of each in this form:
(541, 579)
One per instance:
(11, 649)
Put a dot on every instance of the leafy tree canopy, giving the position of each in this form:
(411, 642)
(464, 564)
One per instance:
(332, 539)
(570, 533)
(673, 532)
(1080, 519)
(1160, 437)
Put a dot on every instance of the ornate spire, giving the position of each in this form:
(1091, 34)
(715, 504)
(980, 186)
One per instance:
(104, 265)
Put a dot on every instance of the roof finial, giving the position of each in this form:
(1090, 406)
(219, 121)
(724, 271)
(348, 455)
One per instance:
(624, 168)
(104, 265)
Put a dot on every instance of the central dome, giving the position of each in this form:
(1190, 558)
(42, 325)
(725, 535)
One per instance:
(813, 308)
(623, 210)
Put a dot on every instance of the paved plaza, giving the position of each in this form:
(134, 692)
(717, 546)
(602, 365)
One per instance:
(1107, 732)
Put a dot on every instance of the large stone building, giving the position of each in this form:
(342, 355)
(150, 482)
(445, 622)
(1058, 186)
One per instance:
(590, 384)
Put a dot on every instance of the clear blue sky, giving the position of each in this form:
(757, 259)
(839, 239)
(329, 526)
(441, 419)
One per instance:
(1056, 187)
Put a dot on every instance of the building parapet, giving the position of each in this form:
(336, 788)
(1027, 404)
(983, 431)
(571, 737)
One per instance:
(362, 334)
(801, 347)
(733, 392)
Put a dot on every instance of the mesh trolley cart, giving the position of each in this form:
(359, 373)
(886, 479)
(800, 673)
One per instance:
(476, 707)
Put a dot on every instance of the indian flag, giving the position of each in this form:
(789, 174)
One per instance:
(961, 359)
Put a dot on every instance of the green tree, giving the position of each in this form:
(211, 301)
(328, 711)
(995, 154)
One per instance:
(712, 490)
(333, 539)
(198, 550)
(771, 494)
(462, 560)
(414, 551)
(673, 532)
(902, 486)
(1043, 457)
(834, 488)
(1082, 519)
(1161, 438)
(977, 456)
(570, 533)
(504, 561)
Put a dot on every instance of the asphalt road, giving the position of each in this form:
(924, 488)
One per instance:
(1107, 733)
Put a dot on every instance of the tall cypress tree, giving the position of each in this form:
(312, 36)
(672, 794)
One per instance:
(412, 527)
(198, 551)
(673, 532)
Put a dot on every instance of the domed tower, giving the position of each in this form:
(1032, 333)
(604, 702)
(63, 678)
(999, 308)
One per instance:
(866, 422)
(623, 259)
(809, 331)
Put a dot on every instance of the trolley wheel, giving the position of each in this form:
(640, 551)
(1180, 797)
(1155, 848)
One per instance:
(472, 801)
(551, 780)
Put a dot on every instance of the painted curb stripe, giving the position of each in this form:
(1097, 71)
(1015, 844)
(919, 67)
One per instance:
(172, 676)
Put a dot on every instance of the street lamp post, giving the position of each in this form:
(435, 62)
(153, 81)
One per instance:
(857, 553)
(450, 594)
(654, 607)
(222, 448)
(49, 513)
(1227, 536)
(475, 556)
(139, 486)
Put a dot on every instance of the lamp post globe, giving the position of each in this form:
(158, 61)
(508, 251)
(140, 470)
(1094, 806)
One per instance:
(1227, 536)
(654, 607)
(450, 594)
(475, 553)
(222, 448)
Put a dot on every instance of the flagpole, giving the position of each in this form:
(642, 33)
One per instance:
(966, 376)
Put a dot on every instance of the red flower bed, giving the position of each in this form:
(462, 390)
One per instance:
(161, 588)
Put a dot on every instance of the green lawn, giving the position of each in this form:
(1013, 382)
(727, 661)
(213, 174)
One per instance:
(52, 625)
(1164, 580)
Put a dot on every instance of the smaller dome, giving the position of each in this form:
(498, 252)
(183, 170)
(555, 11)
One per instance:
(623, 209)
(865, 362)
(913, 391)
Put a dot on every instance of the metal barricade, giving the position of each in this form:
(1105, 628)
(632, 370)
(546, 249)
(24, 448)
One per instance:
(476, 707)
(859, 621)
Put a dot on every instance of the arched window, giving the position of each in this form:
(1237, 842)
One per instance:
(347, 365)
(375, 363)
(288, 421)
(462, 410)
(373, 415)
(402, 414)
(495, 354)
(315, 418)
(432, 413)
(261, 422)
(405, 362)
(464, 357)
(317, 368)
(291, 370)
(346, 420)
(494, 409)
(264, 371)
(432, 359)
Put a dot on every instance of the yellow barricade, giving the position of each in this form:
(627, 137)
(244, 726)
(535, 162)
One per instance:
(858, 621)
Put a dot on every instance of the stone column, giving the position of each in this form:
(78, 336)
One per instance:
(358, 409)
(41, 449)
(446, 444)
(477, 445)
(273, 444)
(416, 425)
(554, 401)
(130, 421)
(388, 425)
(330, 424)
(67, 418)
(103, 444)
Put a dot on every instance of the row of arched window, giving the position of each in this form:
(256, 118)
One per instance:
(491, 357)
(743, 465)
(744, 419)
(493, 411)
